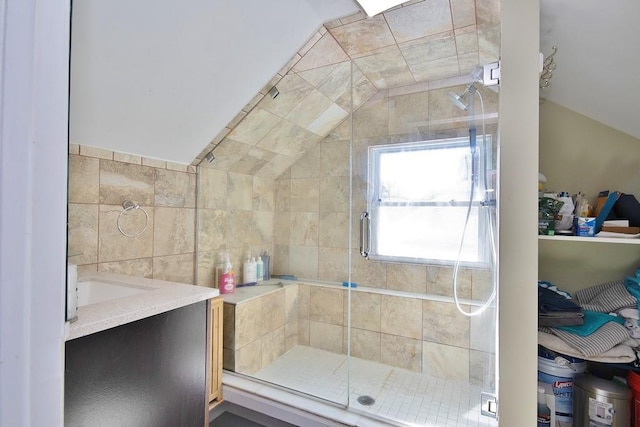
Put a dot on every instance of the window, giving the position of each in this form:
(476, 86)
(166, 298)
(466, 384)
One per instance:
(418, 197)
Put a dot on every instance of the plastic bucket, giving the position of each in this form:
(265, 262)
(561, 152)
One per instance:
(633, 380)
(559, 371)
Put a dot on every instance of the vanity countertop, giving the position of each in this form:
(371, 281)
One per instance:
(158, 297)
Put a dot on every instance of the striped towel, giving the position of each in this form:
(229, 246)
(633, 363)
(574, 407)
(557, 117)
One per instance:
(604, 339)
(606, 297)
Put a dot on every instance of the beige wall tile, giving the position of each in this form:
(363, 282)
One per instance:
(337, 83)
(240, 229)
(281, 223)
(483, 331)
(252, 161)
(304, 296)
(443, 285)
(277, 166)
(407, 110)
(372, 119)
(263, 223)
(228, 153)
(248, 359)
(74, 149)
(334, 229)
(435, 69)
(304, 332)
(206, 264)
(127, 158)
(305, 195)
(273, 310)
(146, 161)
(280, 260)
(308, 166)
(334, 194)
(212, 229)
(287, 138)
(334, 158)
(402, 352)
(368, 273)
(445, 361)
(291, 334)
(304, 228)
(273, 346)
(325, 336)
(401, 316)
(407, 277)
(123, 181)
(365, 310)
(175, 189)
(174, 268)
(84, 179)
(464, 12)
(482, 284)
(419, 20)
(482, 369)
(174, 230)
(213, 189)
(365, 344)
(113, 245)
(282, 195)
(82, 240)
(328, 120)
(364, 35)
(229, 360)
(249, 324)
(142, 267)
(442, 323)
(333, 264)
(239, 192)
(87, 269)
(309, 109)
(325, 52)
(291, 303)
(254, 126)
(263, 194)
(326, 305)
(385, 70)
(98, 153)
(178, 167)
(293, 90)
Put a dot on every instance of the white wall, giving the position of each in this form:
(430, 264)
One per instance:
(33, 143)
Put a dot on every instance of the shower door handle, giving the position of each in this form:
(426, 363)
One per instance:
(365, 233)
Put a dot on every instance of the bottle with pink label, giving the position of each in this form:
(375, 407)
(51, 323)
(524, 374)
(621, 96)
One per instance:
(225, 278)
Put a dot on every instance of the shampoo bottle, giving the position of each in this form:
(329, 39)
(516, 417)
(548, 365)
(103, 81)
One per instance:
(259, 269)
(249, 271)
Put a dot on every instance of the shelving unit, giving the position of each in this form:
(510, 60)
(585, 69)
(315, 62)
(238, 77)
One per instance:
(577, 239)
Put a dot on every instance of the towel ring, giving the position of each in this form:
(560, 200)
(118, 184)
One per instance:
(128, 205)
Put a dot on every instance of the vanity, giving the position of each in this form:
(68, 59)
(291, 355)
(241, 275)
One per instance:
(140, 353)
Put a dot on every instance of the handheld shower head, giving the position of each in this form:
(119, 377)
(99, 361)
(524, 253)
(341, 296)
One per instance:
(458, 100)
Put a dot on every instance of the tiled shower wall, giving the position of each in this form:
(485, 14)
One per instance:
(312, 241)
(99, 182)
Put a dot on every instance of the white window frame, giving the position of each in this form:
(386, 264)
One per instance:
(374, 199)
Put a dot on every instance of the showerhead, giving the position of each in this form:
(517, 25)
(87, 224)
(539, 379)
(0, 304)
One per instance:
(458, 100)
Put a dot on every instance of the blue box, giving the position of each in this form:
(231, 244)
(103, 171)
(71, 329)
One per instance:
(585, 226)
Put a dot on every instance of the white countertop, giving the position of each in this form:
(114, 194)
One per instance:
(161, 296)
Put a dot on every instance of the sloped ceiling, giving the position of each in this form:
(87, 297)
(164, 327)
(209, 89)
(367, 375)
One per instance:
(161, 78)
(597, 61)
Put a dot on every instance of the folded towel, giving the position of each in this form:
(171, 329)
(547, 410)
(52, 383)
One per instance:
(606, 297)
(632, 327)
(620, 353)
(550, 301)
(592, 322)
(560, 318)
(605, 338)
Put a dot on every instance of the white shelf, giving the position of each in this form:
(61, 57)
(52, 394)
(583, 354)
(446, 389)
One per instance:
(616, 240)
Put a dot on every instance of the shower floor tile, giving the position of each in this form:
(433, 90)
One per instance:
(400, 395)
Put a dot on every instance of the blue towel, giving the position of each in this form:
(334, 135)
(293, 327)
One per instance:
(592, 322)
(632, 284)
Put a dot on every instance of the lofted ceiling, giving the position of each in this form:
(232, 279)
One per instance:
(172, 81)
(597, 61)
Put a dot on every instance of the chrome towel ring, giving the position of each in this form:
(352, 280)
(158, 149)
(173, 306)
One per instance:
(128, 205)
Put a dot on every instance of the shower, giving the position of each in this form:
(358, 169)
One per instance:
(459, 100)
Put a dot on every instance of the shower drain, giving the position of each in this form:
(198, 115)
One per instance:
(366, 400)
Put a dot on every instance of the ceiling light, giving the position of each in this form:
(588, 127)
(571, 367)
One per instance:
(374, 7)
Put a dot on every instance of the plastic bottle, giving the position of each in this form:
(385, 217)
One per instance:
(225, 276)
(259, 269)
(544, 413)
(266, 260)
(249, 271)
